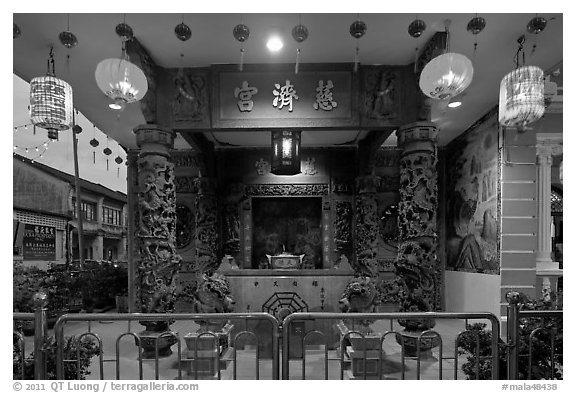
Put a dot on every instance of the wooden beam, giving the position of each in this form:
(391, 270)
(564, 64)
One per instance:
(434, 47)
(205, 149)
(368, 147)
(139, 56)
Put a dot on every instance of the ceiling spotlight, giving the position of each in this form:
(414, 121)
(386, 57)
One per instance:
(454, 103)
(274, 44)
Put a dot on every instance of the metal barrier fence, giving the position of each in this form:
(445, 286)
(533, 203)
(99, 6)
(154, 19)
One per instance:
(522, 359)
(293, 342)
(203, 357)
(361, 353)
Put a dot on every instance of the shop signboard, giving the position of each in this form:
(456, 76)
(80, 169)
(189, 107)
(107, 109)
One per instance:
(39, 242)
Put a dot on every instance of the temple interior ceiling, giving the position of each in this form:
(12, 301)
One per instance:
(386, 42)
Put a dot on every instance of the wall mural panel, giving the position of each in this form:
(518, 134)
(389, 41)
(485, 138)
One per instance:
(472, 174)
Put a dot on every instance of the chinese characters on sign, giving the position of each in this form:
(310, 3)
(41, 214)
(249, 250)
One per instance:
(284, 95)
(39, 242)
(324, 99)
(244, 94)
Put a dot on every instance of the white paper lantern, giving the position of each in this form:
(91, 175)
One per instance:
(122, 81)
(521, 97)
(51, 104)
(446, 76)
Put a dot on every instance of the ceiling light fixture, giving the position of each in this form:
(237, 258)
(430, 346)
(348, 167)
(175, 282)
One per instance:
(120, 79)
(454, 103)
(274, 43)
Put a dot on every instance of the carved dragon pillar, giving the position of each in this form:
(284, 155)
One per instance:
(417, 266)
(366, 225)
(158, 263)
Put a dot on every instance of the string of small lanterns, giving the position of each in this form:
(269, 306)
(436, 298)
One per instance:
(27, 149)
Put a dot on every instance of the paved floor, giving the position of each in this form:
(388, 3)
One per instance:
(315, 363)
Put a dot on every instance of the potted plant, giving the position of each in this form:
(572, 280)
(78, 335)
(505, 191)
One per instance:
(88, 349)
(541, 344)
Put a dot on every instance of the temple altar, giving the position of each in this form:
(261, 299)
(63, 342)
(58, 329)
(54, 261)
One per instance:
(282, 292)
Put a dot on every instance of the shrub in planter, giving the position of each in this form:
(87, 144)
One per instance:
(541, 345)
(88, 349)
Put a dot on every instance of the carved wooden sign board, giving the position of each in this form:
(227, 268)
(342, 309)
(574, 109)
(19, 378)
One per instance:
(267, 97)
(272, 96)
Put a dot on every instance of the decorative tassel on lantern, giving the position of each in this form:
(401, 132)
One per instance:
(300, 34)
(415, 29)
(241, 32)
(357, 30)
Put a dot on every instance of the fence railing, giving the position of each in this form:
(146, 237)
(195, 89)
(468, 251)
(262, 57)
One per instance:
(361, 352)
(205, 350)
(530, 329)
(342, 345)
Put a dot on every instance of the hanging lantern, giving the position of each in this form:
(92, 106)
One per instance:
(446, 76)
(68, 39)
(416, 28)
(124, 31)
(300, 33)
(107, 151)
(285, 152)
(476, 25)
(94, 142)
(183, 32)
(118, 160)
(51, 104)
(122, 81)
(536, 25)
(521, 97)
(241, 32)
(357, 30)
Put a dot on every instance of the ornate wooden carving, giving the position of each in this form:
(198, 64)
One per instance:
(382, 97)
(342, 185)
(186, 184)
(140, 57)
(231, 227)
(189, 100)
(417, 266)
(186, 159)
(366, 226)
(434, 47)
(206, 238)
(343, 226)
(286, 189)
(184, 226)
